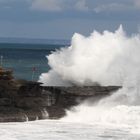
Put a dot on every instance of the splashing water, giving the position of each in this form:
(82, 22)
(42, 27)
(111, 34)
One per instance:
(108, 58)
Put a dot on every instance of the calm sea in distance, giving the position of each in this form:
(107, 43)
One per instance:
(24, 58)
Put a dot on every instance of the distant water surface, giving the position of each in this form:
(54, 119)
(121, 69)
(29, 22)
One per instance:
(24, 58)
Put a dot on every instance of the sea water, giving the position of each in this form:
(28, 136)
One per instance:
(109, 58)
(23, 59)
(59, 130)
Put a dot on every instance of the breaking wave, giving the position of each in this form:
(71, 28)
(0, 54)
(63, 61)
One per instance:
(108, 58)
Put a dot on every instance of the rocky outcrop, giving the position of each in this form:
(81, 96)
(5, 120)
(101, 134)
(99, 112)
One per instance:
(22, 100)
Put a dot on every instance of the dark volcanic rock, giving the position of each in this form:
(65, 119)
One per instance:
(22, 100)
(31, 102)
(5, 102)
(30, 88)
(12, 114)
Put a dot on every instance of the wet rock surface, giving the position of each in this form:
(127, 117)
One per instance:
(22, 100)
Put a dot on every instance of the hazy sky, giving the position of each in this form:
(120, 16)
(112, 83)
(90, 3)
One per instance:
(61, 18)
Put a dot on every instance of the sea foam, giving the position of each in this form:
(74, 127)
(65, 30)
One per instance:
(108, 58)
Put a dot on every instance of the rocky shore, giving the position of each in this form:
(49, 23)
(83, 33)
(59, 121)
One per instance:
(22, 100)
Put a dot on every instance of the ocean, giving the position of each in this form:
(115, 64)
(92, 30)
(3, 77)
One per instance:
(58, 130)
(108, 58)
(23, 59)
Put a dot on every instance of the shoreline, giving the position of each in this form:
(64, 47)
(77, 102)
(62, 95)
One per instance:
(22, 100)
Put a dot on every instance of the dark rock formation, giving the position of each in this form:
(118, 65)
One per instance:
(22, 100)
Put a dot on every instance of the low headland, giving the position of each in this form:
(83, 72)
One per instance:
(22, 100)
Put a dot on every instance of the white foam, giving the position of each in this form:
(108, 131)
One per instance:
(117, 115)
(108, 58)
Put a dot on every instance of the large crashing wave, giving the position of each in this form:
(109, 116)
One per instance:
(106, 58)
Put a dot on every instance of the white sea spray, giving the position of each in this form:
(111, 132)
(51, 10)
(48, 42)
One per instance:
(108, 58)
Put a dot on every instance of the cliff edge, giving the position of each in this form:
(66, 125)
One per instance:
(22, 100)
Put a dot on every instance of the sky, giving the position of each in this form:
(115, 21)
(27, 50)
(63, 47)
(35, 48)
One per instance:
(60, 19)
